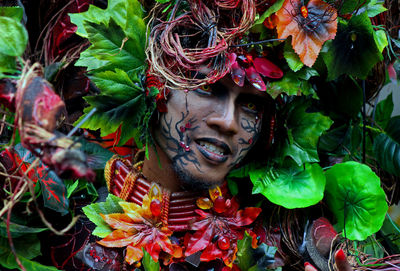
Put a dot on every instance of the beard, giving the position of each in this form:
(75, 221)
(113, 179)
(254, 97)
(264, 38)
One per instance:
(190, 182)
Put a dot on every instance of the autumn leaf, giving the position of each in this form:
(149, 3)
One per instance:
(310, 27)
(140, 227)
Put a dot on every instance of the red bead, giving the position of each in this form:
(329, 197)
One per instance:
(155, 207)
(188, 125)
(219, 204)
(182, 144)
(223, 243)
(182, 129)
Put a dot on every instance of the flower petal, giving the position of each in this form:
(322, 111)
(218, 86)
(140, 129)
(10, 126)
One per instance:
(255, 78)
(238, 74)
(247, 216)
(133, 254)
(117, 238)
(267, 68)
(119, 221)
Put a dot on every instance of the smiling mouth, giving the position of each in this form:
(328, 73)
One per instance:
(213, 150)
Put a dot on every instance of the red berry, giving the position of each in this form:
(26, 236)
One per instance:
(223, 243)
(219, 204)
(155, 207)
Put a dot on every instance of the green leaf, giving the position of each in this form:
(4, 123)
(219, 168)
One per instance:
(304, 130)
(354, 50)
(291, 57)
(387, 147)
(35, 266)
(272, 9)
(380, 39)
(244, 258)
(96, 155)
(374, 8)
(7, 64)
(27, 246)
(17, 230)
(148, 263)
(13, 12)
(291, 186)
(94, 210)
(52, 187)
(293, 83)
(354, 195)
(383, 111)
(93, 14)
(13, 37)
(120, 102)
(251, 259)
(111, 44)
(372, 247)
(71, 187)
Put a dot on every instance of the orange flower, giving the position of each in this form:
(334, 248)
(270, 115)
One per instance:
(140, 227)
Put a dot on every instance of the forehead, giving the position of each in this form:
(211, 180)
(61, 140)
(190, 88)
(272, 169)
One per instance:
(248, 89)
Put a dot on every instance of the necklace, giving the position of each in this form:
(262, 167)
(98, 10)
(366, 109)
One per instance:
(126, 181)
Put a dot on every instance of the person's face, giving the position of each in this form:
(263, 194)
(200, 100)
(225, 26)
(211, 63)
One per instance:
(207, 131)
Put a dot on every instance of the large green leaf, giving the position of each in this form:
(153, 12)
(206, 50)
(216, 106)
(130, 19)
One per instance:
(17, 230)
(354, 195)
(96, 155)
(122, 11)
(384, 111)
(292, 186)
(27, 246)
(109, 43)
(94, 210)
(354, 50)
(387, 147)
(13, 37)
(304, 130)
(294, 83)
(120, 102)
(13, 12)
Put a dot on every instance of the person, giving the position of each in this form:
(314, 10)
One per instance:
(213, 115)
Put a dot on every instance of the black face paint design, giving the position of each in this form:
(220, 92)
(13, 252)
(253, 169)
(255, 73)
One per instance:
(253, 128)
(182, 152)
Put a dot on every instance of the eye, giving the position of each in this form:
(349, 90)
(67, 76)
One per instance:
(251, 107)
(204, 90)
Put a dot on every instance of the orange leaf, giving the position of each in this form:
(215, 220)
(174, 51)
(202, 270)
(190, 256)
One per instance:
(117, 238)
(133, 254)
(309, 32)
(119, 221)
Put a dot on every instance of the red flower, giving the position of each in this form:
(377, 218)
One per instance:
(218, 230)
(245, 66)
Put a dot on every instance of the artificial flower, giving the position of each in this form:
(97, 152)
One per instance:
(140, 227)
(218, 230)
(252, 68)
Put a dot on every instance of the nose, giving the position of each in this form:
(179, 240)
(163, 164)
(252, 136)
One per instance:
(224, 118)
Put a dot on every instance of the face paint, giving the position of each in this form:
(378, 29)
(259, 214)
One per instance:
(207, 131)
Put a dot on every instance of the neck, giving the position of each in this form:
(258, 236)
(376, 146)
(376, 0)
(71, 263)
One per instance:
(160, 170)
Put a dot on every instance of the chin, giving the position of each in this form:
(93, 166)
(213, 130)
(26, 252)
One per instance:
(199, 181)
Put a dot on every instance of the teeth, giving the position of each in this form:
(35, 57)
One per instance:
(212, 148)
